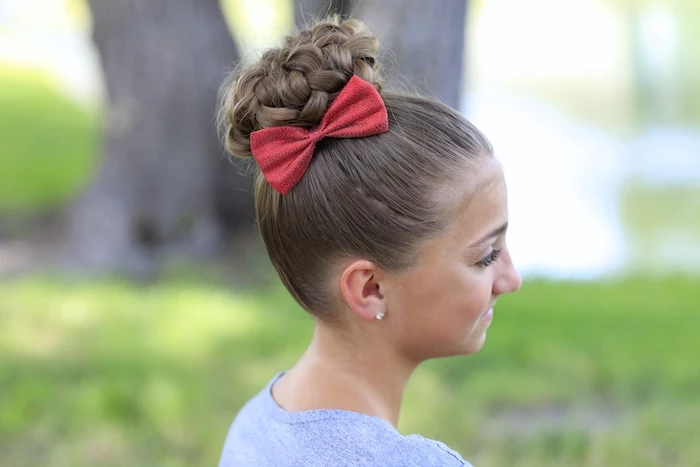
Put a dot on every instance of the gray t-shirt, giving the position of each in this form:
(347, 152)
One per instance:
(264, 434)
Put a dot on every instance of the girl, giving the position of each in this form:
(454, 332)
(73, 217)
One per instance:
(385, 216)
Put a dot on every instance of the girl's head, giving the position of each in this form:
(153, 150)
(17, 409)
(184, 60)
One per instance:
(396, 225)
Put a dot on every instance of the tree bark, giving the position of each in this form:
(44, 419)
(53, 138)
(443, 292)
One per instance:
(162, 175)
(307, 10)
(422, 43)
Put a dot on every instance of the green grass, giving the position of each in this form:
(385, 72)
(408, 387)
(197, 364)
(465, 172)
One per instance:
(109, 373)
(47, 142)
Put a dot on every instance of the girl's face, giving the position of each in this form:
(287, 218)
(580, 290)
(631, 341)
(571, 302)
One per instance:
(443, 304)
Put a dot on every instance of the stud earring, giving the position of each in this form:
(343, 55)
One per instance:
(379, 316)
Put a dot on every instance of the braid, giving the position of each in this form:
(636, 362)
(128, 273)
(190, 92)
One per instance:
(295, 84)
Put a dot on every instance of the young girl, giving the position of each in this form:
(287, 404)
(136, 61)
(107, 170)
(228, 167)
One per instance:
(385, 216)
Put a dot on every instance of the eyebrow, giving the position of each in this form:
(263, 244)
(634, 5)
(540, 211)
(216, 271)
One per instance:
(490, 235)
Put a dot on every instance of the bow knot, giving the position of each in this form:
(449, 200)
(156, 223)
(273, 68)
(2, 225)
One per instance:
(284, 152)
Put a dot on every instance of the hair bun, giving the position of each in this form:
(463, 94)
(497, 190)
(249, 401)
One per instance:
(295, 84)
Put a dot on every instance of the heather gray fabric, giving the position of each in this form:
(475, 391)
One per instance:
(263, 434)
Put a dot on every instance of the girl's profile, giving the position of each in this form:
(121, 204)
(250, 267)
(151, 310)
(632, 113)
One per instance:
(385, 216)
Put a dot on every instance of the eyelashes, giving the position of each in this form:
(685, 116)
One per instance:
(490, 259)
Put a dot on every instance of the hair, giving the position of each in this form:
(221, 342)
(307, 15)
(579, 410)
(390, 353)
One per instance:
(376, 197)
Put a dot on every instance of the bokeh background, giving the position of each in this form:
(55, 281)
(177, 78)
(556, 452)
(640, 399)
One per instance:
(138, 311)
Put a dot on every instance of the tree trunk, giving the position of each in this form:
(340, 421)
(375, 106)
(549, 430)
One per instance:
(307, 10)
(421, 43)
(162, 165)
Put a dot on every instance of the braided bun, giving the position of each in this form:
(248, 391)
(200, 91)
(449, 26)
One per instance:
(295, 84)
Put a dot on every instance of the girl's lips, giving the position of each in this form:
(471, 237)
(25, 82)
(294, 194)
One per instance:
(488, 316)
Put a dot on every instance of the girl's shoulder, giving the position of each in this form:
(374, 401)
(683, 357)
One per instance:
(264, 434)
(425, 451)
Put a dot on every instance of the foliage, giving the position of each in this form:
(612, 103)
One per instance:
(48, 142)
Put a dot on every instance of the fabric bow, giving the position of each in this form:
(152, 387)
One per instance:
(284, 152)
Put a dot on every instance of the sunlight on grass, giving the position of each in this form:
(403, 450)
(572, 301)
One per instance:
(574, 374)
(218, 316)
(173, 320)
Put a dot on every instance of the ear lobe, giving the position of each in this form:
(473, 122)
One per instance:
(361, 290)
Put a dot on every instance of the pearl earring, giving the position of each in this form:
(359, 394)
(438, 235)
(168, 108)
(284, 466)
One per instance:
(379, 316)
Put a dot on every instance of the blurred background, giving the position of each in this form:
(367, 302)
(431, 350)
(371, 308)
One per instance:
(138, 310)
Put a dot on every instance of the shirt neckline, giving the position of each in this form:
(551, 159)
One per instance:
(316, 415)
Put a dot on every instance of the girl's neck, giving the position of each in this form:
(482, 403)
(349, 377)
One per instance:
(340, 373)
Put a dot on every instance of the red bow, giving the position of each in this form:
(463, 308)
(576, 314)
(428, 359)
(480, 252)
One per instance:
(284, 152)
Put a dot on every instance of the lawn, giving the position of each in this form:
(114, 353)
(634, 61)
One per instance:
(112, 373)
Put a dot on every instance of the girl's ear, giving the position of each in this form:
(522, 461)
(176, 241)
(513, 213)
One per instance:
(361, 290)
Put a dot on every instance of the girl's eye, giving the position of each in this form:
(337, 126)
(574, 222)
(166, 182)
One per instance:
(490, 259)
